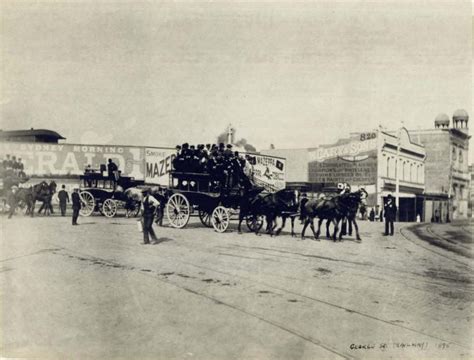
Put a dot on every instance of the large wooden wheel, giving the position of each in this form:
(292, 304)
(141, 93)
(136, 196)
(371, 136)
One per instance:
(205, 218)
(249, 221)
(220, 219)
(109, 208)
(178, 210)
(87, 203)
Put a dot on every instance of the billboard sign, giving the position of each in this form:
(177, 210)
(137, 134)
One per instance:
(158, 164)
(353, 162)
(267, 171)
(44, 159)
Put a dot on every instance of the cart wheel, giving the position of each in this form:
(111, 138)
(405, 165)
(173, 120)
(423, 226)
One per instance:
(220, 219)
(87, 203)
(205, 218)
(178, 210)
(250, 224)
(109, 208)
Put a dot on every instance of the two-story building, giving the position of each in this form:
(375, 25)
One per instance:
(447, 167)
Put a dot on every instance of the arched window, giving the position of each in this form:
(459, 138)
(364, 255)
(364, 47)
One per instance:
(454, 153)
(460, 157)
(412, 173)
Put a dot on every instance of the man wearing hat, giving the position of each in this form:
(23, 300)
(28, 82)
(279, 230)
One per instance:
(63, 197)
(76, 205)
(390, 214)
(11, 200)
(149, 207)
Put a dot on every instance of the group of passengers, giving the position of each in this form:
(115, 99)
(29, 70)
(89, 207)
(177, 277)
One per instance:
(225, 166)
(11, 166)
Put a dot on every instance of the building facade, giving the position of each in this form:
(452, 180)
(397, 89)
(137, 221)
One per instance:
(380, 162)
(447, 177)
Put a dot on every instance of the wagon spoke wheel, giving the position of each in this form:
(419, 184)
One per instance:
(249, 220)
(87, 203)
(178, 210)
(220, 219)
(109, 208)
(205, 218)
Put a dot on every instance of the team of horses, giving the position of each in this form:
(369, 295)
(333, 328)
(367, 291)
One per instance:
(285, 204)
(43, 192)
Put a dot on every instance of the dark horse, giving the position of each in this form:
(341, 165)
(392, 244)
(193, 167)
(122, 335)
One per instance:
(333, 209)
(271, 206)
(39, 192)
(248, 208)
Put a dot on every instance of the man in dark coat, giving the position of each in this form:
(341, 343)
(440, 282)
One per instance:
(63, 197)
(112, 170)
(76, 205)
(390, 213)
(149, 206)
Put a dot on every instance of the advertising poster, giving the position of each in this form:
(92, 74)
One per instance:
(353, 162)
(267, 171)
(158, 164)
(44, 159)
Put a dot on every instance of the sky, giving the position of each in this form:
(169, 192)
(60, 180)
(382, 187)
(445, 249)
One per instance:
(292, 75)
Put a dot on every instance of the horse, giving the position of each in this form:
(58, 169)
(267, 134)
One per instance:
(324, 209)
(247, 201)
(349, 205)
(278, 204)
(39, 192)
(47, 198)
(334, 209)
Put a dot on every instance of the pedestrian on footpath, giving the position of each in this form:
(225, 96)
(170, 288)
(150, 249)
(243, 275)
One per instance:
(390, 213)
(149, 207)
(63, 197)
(76, 205)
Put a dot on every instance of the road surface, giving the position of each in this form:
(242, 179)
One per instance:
(93, 291)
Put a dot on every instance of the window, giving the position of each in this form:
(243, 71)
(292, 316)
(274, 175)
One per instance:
(388, 166)
(454, 153)
(460, 156)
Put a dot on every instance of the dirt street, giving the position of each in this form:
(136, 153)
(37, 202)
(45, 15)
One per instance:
(93, 291)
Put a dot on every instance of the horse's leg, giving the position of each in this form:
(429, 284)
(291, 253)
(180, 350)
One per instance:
(336, 228)
(292, 226)
(32, 208)
(316, 235)
(350, 225)
(239, 230)
(357, 230)
(306, 223)
(282, 226)
(328, 223)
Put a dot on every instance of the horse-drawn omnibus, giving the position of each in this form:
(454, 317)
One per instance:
(101, 194)
(198, 194)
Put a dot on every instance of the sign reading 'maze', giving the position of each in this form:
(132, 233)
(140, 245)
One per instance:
(158, 165)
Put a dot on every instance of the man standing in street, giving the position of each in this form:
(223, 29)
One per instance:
(76, 205)
(149, 206)
(390, 213)
(11, 201)
(63, 197)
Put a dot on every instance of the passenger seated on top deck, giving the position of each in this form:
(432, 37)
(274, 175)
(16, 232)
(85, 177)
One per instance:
(178, 160)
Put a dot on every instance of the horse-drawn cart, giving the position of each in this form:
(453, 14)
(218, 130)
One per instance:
(100, 194)
(200, 195)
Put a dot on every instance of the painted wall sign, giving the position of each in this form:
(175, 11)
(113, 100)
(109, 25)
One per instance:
(352, 148)
(71, 159)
